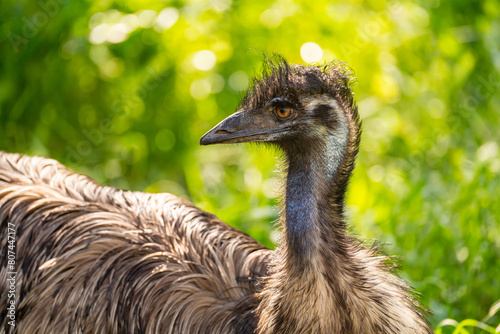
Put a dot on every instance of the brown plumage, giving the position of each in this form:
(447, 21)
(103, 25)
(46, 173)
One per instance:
(97, 259)
(93, 259)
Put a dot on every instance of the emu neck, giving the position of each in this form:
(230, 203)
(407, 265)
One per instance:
(301, 211)
(311, 211)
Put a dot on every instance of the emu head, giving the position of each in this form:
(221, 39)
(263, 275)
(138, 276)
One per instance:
(293, 106)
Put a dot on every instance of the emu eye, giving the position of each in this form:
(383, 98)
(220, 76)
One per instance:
(283, 112)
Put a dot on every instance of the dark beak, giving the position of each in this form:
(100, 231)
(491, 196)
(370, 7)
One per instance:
(241, 127)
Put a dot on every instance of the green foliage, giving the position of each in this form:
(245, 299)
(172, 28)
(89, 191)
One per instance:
(118, 90)
(459, 327)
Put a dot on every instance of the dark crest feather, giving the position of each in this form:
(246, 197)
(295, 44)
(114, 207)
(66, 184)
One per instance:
(291, 81)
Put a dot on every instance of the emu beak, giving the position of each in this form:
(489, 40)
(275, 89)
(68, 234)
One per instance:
(241, 127)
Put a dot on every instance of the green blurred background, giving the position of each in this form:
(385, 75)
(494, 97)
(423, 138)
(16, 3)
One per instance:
(123, 90)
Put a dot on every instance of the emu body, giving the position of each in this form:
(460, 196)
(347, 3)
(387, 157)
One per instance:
(99, 259)
(93, 259)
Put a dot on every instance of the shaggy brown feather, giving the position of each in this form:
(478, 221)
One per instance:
(93, 259)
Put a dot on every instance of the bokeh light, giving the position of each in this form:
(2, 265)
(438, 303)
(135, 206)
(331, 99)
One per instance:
(311, 52)
(204, 60)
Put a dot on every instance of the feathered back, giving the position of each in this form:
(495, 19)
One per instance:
(99, 259)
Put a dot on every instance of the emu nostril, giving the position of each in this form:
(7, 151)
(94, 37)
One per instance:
(223, 132)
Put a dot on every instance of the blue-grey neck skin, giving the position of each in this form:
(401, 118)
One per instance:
(301, 209)
(310, 181)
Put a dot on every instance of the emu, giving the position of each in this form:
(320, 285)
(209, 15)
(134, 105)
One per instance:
(94, 259)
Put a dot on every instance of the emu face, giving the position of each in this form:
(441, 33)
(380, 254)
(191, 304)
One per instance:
(288, 106)
(278, 120)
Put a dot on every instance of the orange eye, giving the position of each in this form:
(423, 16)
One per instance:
(283, 112)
